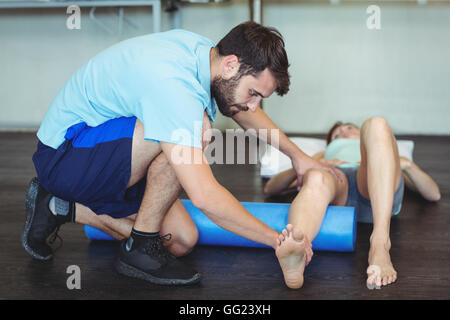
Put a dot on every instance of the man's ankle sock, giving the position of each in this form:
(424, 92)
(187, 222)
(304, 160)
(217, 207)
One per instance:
(138, 237)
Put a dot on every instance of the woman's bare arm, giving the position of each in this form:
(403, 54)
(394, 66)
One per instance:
(417, 180)
(285, 180)
(281, 182)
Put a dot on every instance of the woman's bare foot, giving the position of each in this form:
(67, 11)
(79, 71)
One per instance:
(291, 253)
(380, 272)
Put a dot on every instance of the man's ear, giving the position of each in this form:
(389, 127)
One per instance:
(230, 66)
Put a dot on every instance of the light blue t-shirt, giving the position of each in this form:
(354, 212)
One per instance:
(344, 149)
(163, 79)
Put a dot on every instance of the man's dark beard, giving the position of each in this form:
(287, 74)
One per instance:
(223, 91)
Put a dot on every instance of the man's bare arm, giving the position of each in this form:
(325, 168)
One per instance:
(259, 120)
(212, 198)
(301, 162)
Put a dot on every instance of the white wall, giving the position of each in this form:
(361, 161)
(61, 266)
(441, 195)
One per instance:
(339, 68)
(342, 70)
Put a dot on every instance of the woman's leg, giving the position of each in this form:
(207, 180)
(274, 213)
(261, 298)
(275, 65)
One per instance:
(306, 213)
(320, 188)
(177, 222)
(378, 178)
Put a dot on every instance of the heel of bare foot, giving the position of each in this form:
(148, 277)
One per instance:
(291, 254)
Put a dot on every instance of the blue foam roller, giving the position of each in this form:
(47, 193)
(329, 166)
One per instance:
(337, 233)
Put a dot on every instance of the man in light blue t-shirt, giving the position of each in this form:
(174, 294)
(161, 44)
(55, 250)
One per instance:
(110, 142)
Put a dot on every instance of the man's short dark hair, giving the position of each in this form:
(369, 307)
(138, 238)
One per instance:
(258, 47)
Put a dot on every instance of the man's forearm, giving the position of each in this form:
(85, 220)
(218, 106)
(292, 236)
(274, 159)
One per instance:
(213, 199)
(260, 120)
(301, 161)
(227, 212)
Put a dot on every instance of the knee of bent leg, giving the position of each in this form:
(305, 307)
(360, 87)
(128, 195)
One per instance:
(376, 124)
(315, 178)
(183, 243)
(319, 183)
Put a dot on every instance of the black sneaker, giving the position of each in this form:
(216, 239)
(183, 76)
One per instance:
(151, 261)
(40, 223)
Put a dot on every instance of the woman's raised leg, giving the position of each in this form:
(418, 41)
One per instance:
(378, 178)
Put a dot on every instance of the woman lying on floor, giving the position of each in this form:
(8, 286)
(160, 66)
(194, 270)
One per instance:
(373, 176)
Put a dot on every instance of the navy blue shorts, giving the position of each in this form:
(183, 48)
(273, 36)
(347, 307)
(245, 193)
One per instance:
(362, 205)
(93, 167)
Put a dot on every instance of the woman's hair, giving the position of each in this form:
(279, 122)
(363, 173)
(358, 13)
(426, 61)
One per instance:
(337, 124)
(257, 48)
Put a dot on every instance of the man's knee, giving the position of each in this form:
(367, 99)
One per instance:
(182, 243)
(144, 152)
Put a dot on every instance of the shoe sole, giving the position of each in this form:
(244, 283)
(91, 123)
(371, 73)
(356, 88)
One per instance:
(30, 204)
(130, 271)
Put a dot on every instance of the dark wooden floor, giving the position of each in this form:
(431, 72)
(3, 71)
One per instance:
(420, 247)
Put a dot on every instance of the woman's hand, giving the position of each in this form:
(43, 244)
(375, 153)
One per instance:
(405, 163)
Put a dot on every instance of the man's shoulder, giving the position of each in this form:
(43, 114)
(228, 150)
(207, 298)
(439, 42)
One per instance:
(180, 36)
(187, 35)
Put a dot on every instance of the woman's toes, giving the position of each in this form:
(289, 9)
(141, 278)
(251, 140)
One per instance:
(378, 281)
